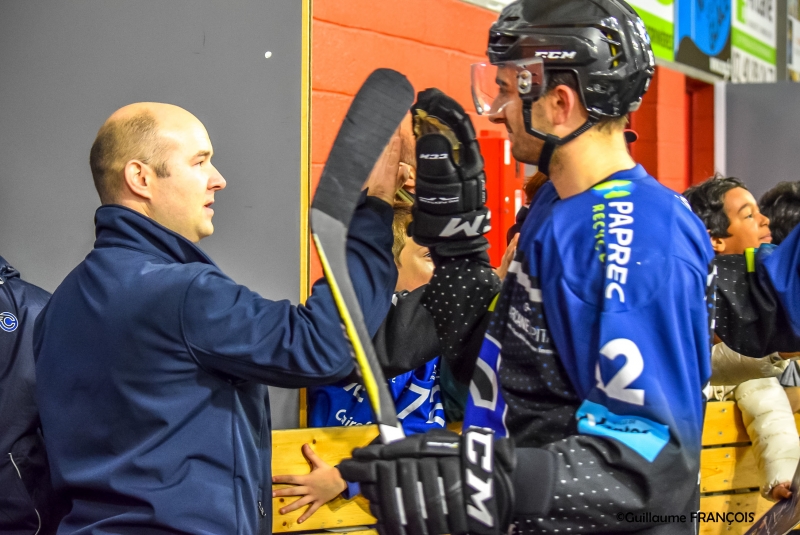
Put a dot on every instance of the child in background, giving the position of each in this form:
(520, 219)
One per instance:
(735, 223)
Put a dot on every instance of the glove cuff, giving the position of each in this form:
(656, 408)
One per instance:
(488, 493)
(534, 481)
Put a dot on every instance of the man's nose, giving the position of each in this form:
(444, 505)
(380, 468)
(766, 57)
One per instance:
(216, 180)
(499, 116)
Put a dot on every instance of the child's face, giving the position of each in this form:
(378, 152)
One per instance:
(748, 226)
(416, 267)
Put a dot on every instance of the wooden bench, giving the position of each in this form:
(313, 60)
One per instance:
(728, 475)
(332, 444)
(729, 478)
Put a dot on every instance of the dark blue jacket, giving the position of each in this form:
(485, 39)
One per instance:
(152, 366)
(25, 490)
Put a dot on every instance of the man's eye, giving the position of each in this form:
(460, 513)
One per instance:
(427, 254)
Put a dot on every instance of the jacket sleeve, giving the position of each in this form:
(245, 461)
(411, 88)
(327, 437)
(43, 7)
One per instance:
(731, 368)
(594, 485)
(757, 310)
(459, 299)
(407, 338)
(234, 331)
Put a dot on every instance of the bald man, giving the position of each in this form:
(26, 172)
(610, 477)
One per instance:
(152, 364)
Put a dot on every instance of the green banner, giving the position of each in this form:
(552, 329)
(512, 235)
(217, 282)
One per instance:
(753, 46)
(661, 35)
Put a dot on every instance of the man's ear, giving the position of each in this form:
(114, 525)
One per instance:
(562, 102)
(138, 178)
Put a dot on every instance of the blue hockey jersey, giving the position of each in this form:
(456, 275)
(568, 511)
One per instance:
(599, 347)
(416, 394)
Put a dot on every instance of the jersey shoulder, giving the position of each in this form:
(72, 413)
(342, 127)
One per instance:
(621, 238)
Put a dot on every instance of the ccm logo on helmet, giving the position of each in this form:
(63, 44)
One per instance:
(555, 54)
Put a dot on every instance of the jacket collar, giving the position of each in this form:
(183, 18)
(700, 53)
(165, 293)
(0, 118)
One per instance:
(6, 271)
(118, 226)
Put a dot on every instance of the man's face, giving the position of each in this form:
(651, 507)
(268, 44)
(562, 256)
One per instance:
(748, 226)
(507, 110)
(182, 201)
(416, 267)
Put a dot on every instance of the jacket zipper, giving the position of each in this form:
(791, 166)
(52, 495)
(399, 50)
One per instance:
(38, 517)
(261, 509)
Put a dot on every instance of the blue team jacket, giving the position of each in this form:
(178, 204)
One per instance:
(23, 463)
(152, 371)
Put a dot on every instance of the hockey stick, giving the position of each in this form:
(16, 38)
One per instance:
(376, 112)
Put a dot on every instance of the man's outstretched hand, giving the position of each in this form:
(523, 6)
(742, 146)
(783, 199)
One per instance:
(389, 175)
(437, 482)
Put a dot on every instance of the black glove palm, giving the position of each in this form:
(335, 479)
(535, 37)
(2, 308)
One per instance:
(437, 482)
(449, 213)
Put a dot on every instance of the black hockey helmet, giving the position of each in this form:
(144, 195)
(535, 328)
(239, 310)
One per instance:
(603, 42)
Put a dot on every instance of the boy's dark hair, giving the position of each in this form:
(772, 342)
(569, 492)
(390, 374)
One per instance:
(708, 203)
(781, 205)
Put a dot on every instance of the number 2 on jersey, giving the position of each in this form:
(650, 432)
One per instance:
(617, 387)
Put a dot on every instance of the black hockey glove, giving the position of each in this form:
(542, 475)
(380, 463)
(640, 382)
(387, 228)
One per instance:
(437, 482)
(449, 212)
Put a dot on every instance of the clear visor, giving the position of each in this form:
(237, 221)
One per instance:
(493, 85)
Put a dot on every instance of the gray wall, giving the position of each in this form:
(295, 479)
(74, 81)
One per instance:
(761, 131)
(66, 65)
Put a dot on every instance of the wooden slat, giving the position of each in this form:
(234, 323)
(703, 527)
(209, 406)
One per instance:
(332, 444)
(735, 503)
(728, 468)
(723, 424)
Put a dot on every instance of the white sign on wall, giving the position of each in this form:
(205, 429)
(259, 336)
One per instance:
(793, 41)
(754, 41)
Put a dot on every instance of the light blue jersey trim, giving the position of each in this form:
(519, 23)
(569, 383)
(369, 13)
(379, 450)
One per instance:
(645, 437)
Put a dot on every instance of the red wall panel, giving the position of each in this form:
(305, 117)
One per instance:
(351, 38)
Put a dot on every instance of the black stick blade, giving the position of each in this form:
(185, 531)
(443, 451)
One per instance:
(376, 111)
(374, 115)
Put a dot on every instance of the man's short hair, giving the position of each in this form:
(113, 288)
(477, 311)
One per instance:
(402, 218)
(707, 200)
(569, 79)
(781, 205)
(120, 141)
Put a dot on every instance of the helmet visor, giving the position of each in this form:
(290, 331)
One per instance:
(493, 85)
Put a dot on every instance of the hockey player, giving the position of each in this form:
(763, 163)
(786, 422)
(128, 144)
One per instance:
(598, 347)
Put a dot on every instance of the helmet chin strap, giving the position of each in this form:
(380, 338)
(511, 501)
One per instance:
(551, 141)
